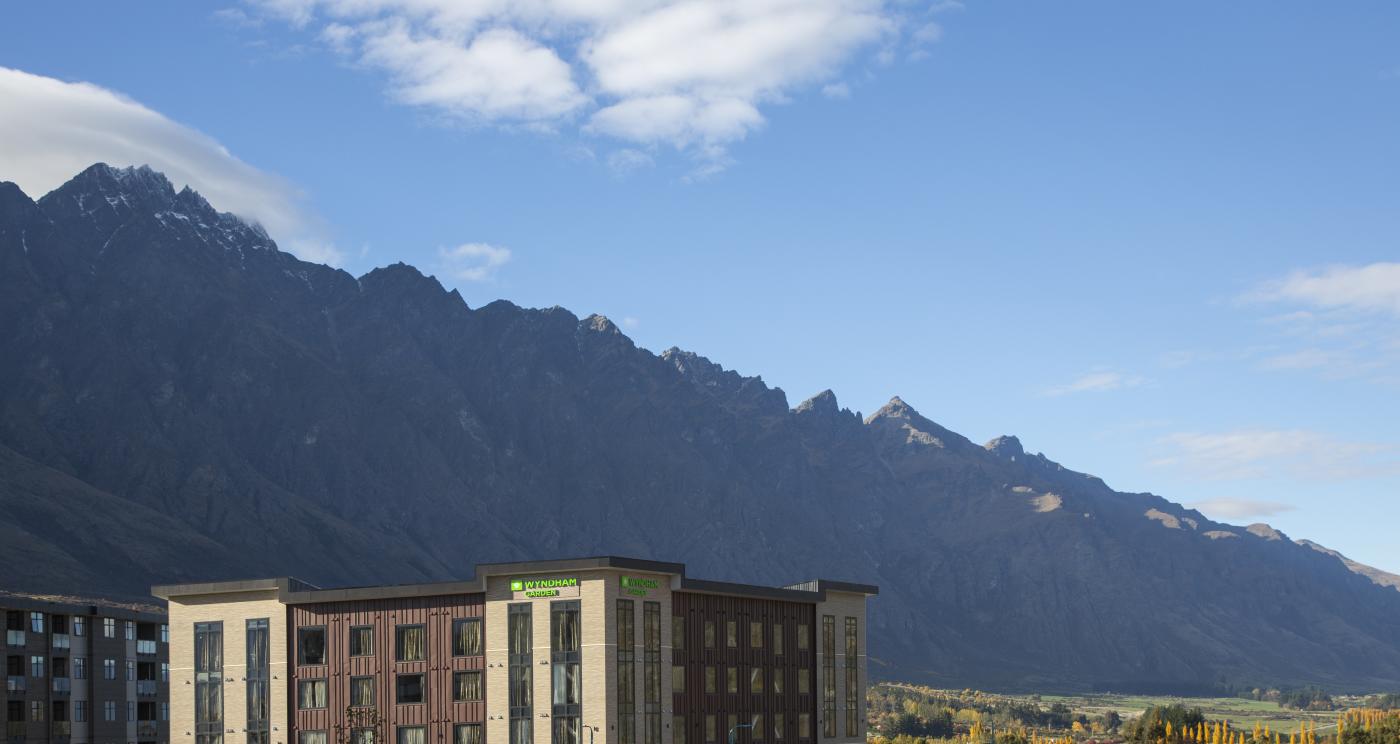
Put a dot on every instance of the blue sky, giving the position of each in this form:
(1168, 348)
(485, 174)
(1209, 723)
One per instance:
(1160, 243)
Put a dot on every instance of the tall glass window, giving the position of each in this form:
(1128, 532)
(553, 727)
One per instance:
(852, 665)
(626, 672)
(829, 676)
(564, 657)
(521, 675)
(651, 670)
(208, 683)
(258, 676)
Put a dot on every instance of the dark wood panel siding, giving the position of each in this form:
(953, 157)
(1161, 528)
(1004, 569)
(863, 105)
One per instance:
(695, 704)
(438, 712)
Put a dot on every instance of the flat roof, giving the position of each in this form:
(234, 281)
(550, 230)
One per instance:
(63, 604)
(294, 591)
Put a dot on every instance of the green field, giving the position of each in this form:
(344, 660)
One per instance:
(1241, 713)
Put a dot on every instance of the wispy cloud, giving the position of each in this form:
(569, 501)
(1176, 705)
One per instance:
(692, 74)
(1096, 382)
(52, 129)
(473, 262)
(1273, 453)
(1370, 288)
(1229, 508)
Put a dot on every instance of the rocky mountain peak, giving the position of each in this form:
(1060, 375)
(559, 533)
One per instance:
(823, 402)
(896, 408)
(1006, 446)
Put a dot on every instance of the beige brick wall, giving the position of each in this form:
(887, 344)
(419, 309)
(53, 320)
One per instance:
(842, 605)
(233, 610)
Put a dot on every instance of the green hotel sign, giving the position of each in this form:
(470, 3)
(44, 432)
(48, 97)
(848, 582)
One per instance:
(637, 586)
(548, 587)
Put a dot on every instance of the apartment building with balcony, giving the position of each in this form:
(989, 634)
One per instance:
(84, 673)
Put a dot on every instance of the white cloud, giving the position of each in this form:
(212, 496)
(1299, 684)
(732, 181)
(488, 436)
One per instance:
(473, 262)
(51, 129)
(1230, 508)
(626, 160)
(1371, 288)
(836, 90)
(692, 74)
(1275, 453)
(1095, 382)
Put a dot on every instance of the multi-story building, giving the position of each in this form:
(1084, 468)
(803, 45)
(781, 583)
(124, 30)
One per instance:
(79, 673)
(583, 651)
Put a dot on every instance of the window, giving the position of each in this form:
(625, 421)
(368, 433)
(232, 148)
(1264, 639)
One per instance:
(410, 643)
(711, 685)
(677, 679)
(755, 634)
(311, 646)
(804, 681)
(130, 629)
(710, 734)
(165, 711)
(109, 710)
(626, 672)
(109, 669)
(778, 726)
(756, 727)
(36, 624)
(311, 737)
(79, 667)
(828, 676)
(677, 729)
(731, 680)
(311, 694)
(208, 683)
(804, 725)
(362, 640)
(109, 627)
(259, 675)
(777, 639)
(131, 710)
(802, 630)
(36, 710)
(466, 686)
(165, 671)
(731, 633)
(466, 637)
(564, 657)
(130, 670)
(362, 736)
(651, 670)
(362, 692)
(164, 633)
(521, 679)
(413, 735)
(36, 666)
(777, 681)
(408, 689)
(678, 632)
(852, 665)
(466, 733)
(709, 634)
(756, 680)
(80, 711)
(79, 626)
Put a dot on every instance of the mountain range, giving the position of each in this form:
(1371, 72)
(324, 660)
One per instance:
(180, 400)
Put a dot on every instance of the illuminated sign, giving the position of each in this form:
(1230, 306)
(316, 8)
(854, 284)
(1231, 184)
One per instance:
(637, 586)
(547, 587)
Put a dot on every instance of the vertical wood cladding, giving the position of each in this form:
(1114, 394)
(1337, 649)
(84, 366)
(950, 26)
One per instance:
(692, 654)
(438, 712)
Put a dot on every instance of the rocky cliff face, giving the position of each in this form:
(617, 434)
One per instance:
(179, 400)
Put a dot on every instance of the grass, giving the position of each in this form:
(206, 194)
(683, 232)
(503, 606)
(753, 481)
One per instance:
(1241, 713)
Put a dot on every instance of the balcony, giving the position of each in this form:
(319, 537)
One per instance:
(146, 729)
(62, 685)
(62, 728)
(15, 684)
(14, 637)
(61, 640)
(146, 687)
(146, 647)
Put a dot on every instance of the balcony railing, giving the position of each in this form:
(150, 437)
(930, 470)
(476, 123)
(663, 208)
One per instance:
(60, 640)
(145, 647)
(15, 684)
(62, 728)
(146, 729)
(15, 729)
(62, 685)
(14, 637)
(146, 687)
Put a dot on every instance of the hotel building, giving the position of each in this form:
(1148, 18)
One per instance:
(584, 651)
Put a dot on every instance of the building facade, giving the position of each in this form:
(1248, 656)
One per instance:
(84, 674)
(584, 651)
